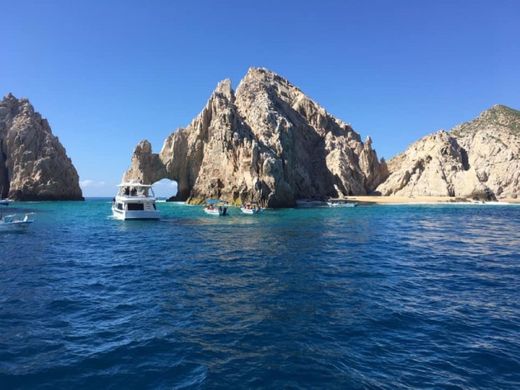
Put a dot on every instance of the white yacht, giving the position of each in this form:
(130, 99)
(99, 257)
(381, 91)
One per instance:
(135, 201)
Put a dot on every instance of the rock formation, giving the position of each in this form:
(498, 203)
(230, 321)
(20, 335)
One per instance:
(267, 143)
(479, 159)
(33, 163)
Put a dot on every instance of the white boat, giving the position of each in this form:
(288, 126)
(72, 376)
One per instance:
(340, 203)
(135, 201)
(216, 207)
(4, 202)
(250, 209)
(15, 222)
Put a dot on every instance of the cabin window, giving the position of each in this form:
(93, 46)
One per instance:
(120, 206)
(135, 206)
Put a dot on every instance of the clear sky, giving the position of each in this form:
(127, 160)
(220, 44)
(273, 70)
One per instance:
(107, 74)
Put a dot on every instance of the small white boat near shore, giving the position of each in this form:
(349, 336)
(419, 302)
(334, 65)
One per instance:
(250, 208)
(135, 201)
(341, 203)
(216, 207)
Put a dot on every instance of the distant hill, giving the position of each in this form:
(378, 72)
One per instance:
(479, 158)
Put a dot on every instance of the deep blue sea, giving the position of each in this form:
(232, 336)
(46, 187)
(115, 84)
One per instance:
(373, 297)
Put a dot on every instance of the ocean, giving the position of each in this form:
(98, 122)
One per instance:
(372, 297)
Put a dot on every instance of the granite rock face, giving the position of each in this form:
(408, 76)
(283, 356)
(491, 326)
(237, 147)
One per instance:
(33, 163)
(267, 142)
(479, 159)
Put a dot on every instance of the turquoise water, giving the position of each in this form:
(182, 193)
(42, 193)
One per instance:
(367, 297)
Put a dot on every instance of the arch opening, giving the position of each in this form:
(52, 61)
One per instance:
(165, 189)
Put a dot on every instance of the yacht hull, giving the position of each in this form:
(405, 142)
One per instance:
(125, 215)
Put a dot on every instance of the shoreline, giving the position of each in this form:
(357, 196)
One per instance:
(360, 199)
(376, 199)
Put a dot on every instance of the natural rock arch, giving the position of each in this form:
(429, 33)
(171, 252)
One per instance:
(267, 143)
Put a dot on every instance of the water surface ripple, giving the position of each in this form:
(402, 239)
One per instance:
(368, 297)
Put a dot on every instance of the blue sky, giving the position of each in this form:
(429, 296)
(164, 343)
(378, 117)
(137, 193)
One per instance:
(107, 74)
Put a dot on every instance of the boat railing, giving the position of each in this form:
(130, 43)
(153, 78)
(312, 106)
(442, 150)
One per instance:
(16, 217)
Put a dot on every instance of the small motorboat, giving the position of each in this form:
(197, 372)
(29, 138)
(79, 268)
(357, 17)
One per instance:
(340, 203)
(216, 207)
(250, 208)
(135, 201)
(4, 202)
(15, 222)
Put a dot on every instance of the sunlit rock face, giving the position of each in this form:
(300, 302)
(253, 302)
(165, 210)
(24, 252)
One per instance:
(33, 163)
(268, 143)
(479, 159)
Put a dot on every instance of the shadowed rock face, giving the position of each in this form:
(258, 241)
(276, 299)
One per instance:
(267, 143)
(480, 159)
(33, 163)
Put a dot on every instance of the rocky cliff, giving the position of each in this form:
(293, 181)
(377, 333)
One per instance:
(267, 142)
(33, 163)
(479, 159)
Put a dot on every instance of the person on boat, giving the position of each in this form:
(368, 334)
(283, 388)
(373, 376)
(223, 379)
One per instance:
(133, 192)
(127, 191)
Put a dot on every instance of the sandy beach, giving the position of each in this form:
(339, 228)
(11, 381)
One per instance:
(417, 199)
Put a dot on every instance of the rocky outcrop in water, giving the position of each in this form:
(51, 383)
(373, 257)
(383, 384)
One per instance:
(267, 142)
(33, 163)
(478, 159)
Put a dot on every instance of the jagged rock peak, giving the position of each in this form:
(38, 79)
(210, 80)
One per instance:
(266, 75)
(268, 143)
(224, 88)
(33, 163)
(143, 147)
